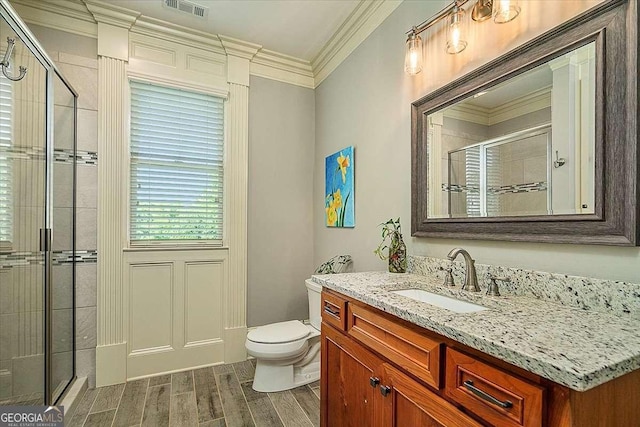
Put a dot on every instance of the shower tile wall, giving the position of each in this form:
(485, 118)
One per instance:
(524, 163)
(82, 74)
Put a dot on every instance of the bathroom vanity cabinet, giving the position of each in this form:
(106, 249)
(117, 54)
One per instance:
(380, 370)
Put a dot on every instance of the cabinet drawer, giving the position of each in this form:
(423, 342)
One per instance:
(409, 404)
(495, 395)
(413, 352)
(334, 310)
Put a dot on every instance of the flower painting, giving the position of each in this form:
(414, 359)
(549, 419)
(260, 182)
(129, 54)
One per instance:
(339, 199)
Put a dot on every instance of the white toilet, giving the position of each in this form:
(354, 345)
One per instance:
(288, 353)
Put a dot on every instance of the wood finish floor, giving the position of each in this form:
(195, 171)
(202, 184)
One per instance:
(219, 396)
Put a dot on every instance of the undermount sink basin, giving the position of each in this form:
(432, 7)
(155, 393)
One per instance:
(440, 301)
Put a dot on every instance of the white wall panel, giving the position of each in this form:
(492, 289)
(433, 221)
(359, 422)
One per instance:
(203, 302)
(150, 306)
(175, 312)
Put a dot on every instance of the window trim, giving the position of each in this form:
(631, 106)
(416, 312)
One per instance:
(132, 245)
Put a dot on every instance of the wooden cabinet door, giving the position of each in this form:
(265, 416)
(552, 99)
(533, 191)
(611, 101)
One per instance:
(348, 398)
(409, 403)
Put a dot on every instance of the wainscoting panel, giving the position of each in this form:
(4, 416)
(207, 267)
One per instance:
(203, 302)
(151, 307)
(175, 313)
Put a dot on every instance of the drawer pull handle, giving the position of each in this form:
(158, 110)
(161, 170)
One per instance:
(331, 311)
(469, 385)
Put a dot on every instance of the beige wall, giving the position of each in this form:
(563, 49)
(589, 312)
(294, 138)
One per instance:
(280, 226)
(366, 102)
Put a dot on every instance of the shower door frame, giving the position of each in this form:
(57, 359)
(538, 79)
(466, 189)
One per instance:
(543, 129)
(31, 42)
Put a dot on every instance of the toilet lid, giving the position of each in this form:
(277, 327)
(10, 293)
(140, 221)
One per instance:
(279, 332)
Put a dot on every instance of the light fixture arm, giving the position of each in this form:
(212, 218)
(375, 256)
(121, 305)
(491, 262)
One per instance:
(436, 18)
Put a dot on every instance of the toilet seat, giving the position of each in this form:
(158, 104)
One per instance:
(284, 344)
(279, 333)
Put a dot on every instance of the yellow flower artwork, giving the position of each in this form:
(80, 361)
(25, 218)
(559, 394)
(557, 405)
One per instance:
(339, 189)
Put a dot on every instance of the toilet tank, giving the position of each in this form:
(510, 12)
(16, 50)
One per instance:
(313, 291)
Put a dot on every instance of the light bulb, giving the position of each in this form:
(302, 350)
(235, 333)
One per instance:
(455, 42)
(413, 54)
(505, 11)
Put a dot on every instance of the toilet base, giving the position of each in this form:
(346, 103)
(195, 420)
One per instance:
(272, 377)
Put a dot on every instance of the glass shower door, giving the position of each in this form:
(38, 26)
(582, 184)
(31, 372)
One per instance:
(22, 217)
(61, 287)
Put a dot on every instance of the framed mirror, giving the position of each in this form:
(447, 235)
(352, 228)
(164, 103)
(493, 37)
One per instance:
(539, 145)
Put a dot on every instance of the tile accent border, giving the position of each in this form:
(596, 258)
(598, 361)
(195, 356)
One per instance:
(21, 259)
(504, 189)
(60, 155)
(606, 296)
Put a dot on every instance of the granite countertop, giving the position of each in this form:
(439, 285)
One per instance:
(580, 349)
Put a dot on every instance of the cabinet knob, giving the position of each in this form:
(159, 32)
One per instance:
(373, 381)
(385, 390)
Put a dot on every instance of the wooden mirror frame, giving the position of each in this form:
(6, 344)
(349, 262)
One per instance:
(613, 25)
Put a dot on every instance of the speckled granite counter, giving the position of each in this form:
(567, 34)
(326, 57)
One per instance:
(577, 348)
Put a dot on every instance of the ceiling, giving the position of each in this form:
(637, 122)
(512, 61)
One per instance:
(299, 28)
(534, 80)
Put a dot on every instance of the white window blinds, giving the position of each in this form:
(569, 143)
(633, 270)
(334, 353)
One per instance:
(177, 141)
(6, 163)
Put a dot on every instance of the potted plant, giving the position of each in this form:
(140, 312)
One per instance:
(392, 240)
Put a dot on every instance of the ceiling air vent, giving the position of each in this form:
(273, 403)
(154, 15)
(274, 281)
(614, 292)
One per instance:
(186, 6)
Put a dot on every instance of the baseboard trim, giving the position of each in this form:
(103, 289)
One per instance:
(234, 344)
(111, 364)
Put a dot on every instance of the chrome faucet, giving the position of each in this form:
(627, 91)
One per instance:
(470, 276)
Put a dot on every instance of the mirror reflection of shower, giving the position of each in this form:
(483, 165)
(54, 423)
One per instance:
(506, 176)
(524, 147)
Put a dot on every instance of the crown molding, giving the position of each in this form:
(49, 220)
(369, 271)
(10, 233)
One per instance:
(284, 68)
(526, 104)
(106, 13)
(69, 16)
(81, 16)
(366, 17)
(178, 34)
(240, 48)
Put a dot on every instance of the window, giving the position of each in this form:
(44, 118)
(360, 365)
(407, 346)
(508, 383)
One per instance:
(6, 163)
(177, 142)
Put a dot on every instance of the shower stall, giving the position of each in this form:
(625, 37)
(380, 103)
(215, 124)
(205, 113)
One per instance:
(37, 220)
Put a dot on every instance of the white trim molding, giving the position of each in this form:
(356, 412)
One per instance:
(366, 17)
(112, 136)
(235, 292)
(526, 104)
(283, 68)
(71, 17)
(113, 53)
(80, 17)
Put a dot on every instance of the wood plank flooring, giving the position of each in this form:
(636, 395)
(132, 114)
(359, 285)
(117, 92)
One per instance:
(219, 396)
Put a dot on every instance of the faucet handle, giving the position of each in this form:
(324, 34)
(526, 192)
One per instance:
(448, 278)
(493, 290)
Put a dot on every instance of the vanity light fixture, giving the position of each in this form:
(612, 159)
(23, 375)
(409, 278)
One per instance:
(413, 55)
(505, 11)
(455, 43)
(502, 11)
